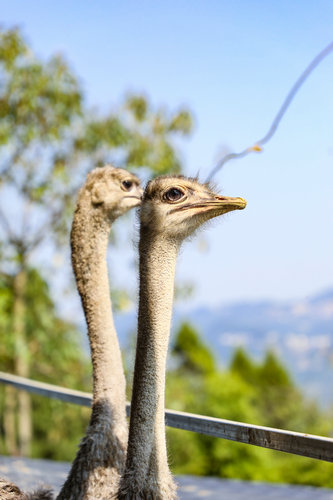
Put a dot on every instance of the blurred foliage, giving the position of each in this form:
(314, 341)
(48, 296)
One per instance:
(54, 344)
(49, 139)
(193, 356)
(261, 393)
(56, 356)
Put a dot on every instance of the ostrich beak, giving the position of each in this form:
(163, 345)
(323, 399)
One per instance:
(137, 196)
(212, 206)
(228, 203)
(218, 205)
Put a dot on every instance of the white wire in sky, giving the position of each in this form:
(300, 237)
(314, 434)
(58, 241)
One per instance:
(257, 146)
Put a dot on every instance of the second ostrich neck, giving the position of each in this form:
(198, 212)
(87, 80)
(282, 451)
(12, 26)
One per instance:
(101, 456)
(89, 243)
(147, 429)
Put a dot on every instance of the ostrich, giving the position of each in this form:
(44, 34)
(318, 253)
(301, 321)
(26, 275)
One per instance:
(172, 209)
(9, 491)
(107, 193)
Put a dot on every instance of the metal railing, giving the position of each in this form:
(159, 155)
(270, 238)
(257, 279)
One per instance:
(297, 443)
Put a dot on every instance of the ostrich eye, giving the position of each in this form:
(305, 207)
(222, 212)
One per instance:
(173, 194)
(127, 185)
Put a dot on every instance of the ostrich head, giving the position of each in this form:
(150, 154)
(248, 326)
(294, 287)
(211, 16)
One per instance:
(176, 206)
(112, 191)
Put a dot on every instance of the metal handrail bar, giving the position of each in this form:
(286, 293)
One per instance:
(297, 443)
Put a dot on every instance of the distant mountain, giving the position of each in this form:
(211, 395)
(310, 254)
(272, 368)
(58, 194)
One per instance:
(300, 332)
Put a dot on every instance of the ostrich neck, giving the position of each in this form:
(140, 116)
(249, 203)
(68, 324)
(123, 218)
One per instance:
(100, 460)
(89, 240)
(147, 428)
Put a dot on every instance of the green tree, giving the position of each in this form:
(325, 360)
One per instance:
(280, 399)
(55, 354)
(191, 352)
(260, 393)
(48, 140)
(197, 385)
(242, 365)
(277, 396)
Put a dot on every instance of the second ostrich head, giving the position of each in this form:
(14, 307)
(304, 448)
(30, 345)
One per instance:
(113, 191)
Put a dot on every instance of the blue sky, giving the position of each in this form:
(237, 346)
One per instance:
(232, 64)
